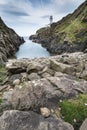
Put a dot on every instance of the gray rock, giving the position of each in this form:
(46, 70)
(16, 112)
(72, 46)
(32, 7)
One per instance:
(16, 69)
(16, 82)
(34, 67)
(83, 74)
(4, 87)
(24, 77)
(14, 78)
(19, 120)
(33, 76)
(44, 75)
(47, 70)
(59, 74)
(60, 67)
(84, 125)
(85, 51)
(7, 95)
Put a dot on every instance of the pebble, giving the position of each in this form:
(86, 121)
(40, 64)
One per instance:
(45, 112)
(16, 82)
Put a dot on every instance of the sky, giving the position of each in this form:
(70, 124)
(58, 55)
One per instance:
(26, 16)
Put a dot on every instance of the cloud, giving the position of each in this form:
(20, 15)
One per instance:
(66, 5)
(26, 16)
(3, 2)
(45, 16)
(17, 13)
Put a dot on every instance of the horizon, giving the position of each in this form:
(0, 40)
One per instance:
(27, 16)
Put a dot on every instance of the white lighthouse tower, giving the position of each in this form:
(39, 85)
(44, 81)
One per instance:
(51, 19)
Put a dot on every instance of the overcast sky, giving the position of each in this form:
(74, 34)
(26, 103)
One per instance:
(26, 16)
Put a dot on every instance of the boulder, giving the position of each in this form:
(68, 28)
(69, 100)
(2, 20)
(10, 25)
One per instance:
(60, 67)
(16, 69)
(44, 75)
(15, 79)
(84, 125)
(34, 67)
(33, 76)
(47, 69)
(83, 74)
(20, 120)
(24, 76)
(7, 95)
(60, 74)
(4, 87)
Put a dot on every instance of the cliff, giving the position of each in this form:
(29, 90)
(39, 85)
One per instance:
(66, 35)
(9, 42)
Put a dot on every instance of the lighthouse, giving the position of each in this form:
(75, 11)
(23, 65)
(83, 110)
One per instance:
(51, 19)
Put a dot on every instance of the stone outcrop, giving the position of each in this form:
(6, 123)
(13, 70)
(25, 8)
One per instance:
(9, 42)
(66, 35)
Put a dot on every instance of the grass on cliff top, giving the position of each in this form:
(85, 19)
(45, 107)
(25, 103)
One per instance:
(74, 111)
(71, 28)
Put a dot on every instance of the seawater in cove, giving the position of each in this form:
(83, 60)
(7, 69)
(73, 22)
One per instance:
(31, 50)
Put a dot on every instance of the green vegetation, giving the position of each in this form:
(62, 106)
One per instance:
(74, 111)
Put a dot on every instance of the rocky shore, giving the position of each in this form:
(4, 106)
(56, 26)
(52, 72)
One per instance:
(66, 35)
(32, 92)
(9, 42)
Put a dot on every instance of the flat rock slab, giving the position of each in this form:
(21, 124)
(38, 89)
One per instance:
(19, 120)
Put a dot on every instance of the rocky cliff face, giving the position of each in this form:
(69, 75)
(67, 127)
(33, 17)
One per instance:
(9, 42)
(66, 35)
